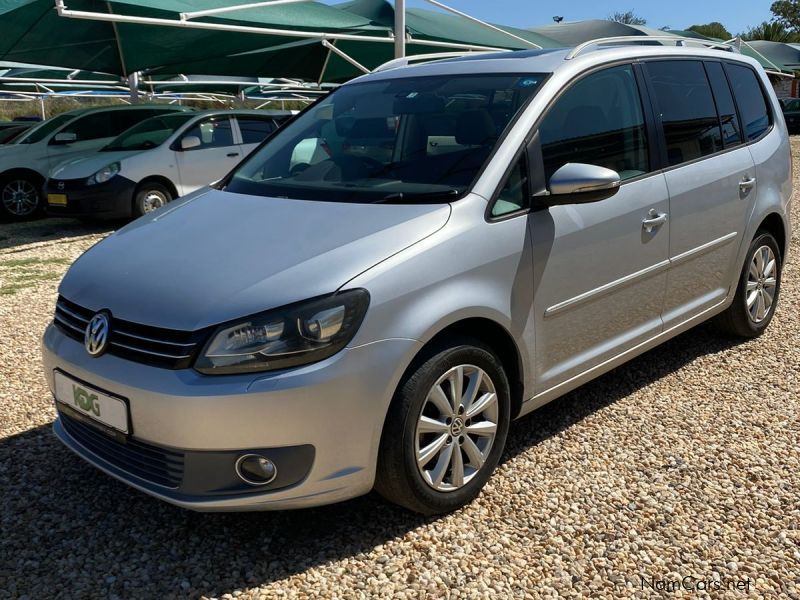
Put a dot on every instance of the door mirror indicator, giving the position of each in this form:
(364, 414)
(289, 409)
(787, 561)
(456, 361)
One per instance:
(190, 141)
(578, 183)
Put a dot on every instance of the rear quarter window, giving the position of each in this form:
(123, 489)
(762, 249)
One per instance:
(751, 101)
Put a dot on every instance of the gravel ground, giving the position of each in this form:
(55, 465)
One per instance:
(685, 462)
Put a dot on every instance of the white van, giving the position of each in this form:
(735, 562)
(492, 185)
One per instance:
(24, 164)
(157, 161)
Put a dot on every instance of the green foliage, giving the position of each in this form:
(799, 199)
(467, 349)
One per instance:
(628, 18)
(774, 31)
(787, 12)
(715, 29)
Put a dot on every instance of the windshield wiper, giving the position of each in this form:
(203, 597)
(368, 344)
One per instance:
(399, 197)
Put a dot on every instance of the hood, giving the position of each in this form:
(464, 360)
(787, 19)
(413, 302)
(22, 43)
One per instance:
(88, 164)
(215, 256)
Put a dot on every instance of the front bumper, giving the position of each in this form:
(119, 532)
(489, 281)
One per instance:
(109, 200)
(335, 407)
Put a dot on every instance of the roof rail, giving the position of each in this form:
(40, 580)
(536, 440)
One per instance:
(639, 39)
(407, 60)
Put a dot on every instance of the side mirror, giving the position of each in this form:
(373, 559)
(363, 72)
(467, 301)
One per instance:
(190, 141)
(65, 138)
(578, 183)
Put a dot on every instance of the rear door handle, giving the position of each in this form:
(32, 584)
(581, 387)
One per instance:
(746, 184)
(654, 219)
(232, 154)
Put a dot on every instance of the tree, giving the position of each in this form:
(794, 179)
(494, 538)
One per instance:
(774, 31)
(787, 12)
(714, 29)
(628, 18)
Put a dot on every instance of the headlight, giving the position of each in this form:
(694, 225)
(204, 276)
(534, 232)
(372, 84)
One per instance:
(298, 334)
(104, 174)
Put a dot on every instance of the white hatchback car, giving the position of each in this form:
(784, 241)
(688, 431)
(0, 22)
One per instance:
(157, 161)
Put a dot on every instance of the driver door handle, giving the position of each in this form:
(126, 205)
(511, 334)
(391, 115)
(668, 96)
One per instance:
(654, 219)
(232, 154)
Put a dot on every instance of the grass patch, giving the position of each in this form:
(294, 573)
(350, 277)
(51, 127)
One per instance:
(23, 273)
(27, 262)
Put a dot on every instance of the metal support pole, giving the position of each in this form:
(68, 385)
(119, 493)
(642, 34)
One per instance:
(41, 104)
(399, 28)
(133, 85)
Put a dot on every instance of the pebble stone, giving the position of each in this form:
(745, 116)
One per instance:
(682, 463)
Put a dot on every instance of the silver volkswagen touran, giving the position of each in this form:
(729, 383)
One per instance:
(419, 258)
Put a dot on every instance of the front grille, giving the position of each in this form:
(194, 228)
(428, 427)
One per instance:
(166, 348)
(151, 463)
(69, 185)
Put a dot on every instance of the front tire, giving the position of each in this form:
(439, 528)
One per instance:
(445, 430)
(757, 290)
(20, 198)
(150, 196)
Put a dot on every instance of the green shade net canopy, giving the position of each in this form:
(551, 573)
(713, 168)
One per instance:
(310, 60)
(575, 33)
(775, 57)
(33, 32)
(434, 25)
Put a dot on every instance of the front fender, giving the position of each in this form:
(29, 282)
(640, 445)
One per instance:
(469, 269)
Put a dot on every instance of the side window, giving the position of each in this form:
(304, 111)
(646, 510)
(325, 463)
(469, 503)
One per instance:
(731, 129)
(514, 194)
(255, 130)
(750, 98)
(125, 119)
(688, 114)
(213, 133)
(598, 121)
(91, 127)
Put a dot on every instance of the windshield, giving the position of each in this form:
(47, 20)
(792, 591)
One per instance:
(45, 128)
(149, 133)
(397, 140)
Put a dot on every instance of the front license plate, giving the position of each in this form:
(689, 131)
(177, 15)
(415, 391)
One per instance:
(92, 403)
(57, 199)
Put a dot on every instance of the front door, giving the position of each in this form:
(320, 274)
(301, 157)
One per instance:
(599, 268)
(216, 155)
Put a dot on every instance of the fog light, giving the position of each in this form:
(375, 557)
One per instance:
(255, 469)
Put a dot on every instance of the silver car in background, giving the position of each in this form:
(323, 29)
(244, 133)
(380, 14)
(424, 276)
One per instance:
(416, 260)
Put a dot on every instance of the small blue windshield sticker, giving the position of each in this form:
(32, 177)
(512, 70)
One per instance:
(526, 83)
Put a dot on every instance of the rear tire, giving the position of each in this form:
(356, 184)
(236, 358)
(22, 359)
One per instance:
(757, 290)
(150, 196)
(436, 454)
(21, 198)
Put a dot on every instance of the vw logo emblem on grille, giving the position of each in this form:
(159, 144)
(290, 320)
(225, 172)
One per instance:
(60, 185)
(95, 339)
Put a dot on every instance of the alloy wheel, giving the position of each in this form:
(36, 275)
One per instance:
(761, 284)
(20, 197)
(456, 428)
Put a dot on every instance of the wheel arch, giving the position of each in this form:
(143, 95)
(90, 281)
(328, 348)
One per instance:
(23, 172)
(493, 335)
(774, 224)
(165, 181)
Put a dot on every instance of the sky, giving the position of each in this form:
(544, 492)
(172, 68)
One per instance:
(736, 15)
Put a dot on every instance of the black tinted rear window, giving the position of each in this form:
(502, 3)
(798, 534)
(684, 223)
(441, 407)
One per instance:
(688, 113)
(750, 98)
